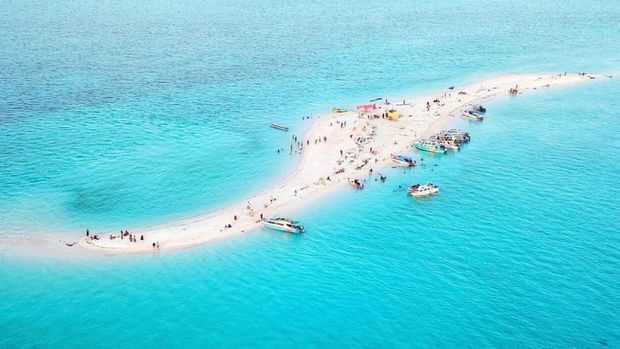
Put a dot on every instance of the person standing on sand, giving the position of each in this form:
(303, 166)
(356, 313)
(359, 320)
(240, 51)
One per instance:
(87, 232)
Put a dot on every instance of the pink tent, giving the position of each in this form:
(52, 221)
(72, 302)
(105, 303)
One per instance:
(366, 107)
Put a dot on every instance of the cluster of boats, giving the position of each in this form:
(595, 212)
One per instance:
(443, 141)
(440, 143)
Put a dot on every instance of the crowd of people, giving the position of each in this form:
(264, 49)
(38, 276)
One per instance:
(297, 145)
(122, 236)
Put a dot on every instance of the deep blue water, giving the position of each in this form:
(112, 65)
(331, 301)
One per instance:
(126, 114)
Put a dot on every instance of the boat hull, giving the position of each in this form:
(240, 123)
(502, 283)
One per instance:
(285, 229)
(424, 193)
(424, 190)
(433, 149)
(451, 147)
(473, 117)
(279, 127)
(404, 163)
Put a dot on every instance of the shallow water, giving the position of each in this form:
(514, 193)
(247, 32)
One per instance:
(120, 115)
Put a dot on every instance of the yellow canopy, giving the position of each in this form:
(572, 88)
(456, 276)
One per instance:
(393, 114)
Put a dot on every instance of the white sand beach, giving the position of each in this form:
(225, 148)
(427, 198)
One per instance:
(323, 168)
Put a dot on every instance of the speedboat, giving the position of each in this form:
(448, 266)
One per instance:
(419, 191)
(279, 127)
(356, 183)
(445, 140)
(431, 147)
(283, 224)
(459, 136)
(470, 115)
(478, 108)
(403, 160)
(449, 145)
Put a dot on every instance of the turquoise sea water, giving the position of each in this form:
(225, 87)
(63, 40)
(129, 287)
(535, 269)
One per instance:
(125, 114)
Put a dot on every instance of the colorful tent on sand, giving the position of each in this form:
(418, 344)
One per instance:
(393, 114)
(363, 108)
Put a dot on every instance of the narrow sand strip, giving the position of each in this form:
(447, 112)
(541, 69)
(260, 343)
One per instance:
(317, 174)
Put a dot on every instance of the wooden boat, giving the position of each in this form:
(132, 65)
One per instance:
(419, 191)
(279, 127)
(338, 110)
(286, 225)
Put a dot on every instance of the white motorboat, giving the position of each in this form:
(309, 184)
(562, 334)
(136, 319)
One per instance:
(283, 224)
(470, 115)
(449, 145)
(431, 147)
(419, 191)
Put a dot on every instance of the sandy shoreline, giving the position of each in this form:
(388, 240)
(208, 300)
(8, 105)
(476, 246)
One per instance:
(316, 175)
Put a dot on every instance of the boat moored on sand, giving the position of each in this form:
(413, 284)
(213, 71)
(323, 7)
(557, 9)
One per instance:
(403, 160)
(470, 115)
(431, 147)
(478, 108)
(286, 225)
(459, 136)
(419, 191)
(446, 141)
(449, 145)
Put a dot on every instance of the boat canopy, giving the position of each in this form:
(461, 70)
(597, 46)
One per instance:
(393, 114)
(363, 108)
